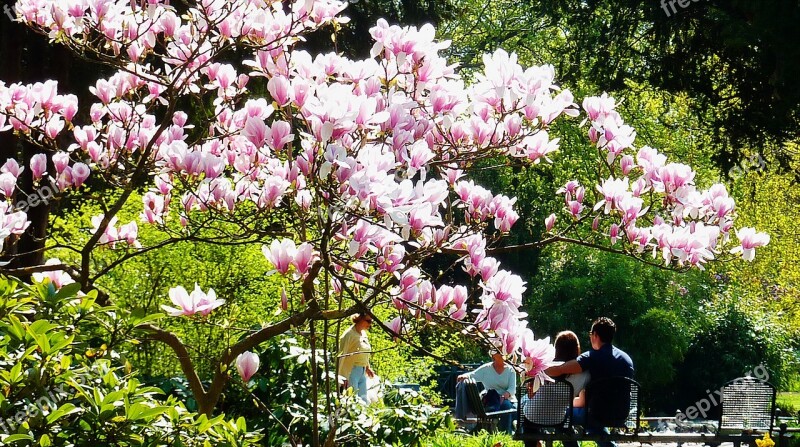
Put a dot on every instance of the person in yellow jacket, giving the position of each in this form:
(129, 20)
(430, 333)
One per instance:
(354, 351)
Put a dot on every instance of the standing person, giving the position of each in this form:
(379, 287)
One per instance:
(354, 351)
(602, 361)
(499, 378)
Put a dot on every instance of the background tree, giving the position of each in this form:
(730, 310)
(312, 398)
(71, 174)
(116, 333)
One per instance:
(737, 58)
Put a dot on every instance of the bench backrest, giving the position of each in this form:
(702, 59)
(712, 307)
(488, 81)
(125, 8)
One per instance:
(747, 403)
(612, 402)
(474, 397)
(550, 406)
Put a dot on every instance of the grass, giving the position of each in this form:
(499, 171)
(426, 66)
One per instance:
(789, 401)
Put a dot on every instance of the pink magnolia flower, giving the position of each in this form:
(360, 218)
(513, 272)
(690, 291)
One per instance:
(614, 233)
(397, 327)
(110, 234)
(8, 183)
(626, 164)
(598, 107)
(153, 208)
(38, 166)
(80, 172)
(750, 240)
(58, 278)
(60, 161)
(190, 304)
(538, 355)
(284, 299)
(575, 208)
(550, 222)
(569, 188)
(279, 89)
(12, 167)
(280, 254)
(279, 135)
(506, 286)
(303, 258)
(129, 233)
(247, 365)
(613, 191)
(391, 257)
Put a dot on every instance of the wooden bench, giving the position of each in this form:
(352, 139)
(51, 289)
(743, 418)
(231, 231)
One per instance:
(486, 420)
(748, 410)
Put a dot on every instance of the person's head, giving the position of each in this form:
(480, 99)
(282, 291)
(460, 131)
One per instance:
(497, 358)
(361, 321)
(602, 332)
(567, 346)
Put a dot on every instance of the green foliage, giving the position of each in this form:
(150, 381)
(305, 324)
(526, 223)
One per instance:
(62, 385)
(279, 402)
(728, 343)
(481, 439)
(403, 419)
(141, 283)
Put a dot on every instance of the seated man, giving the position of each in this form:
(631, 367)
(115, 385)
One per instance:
(500, 378)
(602, 361)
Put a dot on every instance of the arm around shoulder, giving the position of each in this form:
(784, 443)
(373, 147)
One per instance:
(570, 367)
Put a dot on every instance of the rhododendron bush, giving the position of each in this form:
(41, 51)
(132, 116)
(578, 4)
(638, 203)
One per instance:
(350, 173)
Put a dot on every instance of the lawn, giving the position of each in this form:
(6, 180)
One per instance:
(789, 400)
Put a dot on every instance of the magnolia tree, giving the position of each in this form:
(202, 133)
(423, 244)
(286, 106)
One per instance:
(351, 173)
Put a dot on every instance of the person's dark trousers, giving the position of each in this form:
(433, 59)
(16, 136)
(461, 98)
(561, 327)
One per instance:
(506, 420)
(597, 431)
(528, 428)
(578, 418)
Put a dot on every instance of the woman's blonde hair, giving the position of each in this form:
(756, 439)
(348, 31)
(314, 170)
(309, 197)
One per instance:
(355, 318)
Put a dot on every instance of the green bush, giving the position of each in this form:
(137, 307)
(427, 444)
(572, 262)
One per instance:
(728, 343)
(481, 439)
(63, 384)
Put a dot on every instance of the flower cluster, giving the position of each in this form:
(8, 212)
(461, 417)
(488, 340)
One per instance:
(652, 204)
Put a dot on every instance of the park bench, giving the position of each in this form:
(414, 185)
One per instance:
(486, 420)
(747, 412)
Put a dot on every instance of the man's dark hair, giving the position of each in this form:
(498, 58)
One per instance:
(604, 328)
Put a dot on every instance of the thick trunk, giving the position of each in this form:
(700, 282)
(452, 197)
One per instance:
(28, 57)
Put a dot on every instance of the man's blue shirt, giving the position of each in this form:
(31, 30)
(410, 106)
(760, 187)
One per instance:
(608, 361)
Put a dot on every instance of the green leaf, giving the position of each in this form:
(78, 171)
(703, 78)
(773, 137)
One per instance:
(18, 437)
(142, 411)
(44, 441)
(16, 329)
(63, 410)
(64, 341)
(68, 291)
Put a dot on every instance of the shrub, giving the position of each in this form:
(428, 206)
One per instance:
(64, 384)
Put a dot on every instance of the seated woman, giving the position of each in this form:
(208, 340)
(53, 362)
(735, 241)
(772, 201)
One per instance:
(499, 377)
(567, 348)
